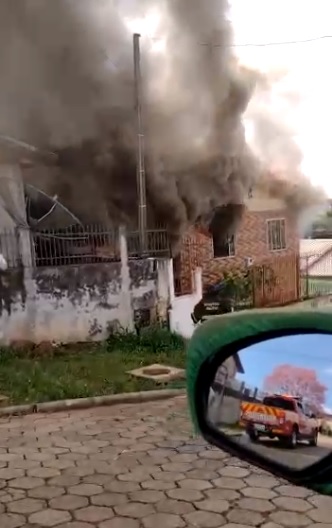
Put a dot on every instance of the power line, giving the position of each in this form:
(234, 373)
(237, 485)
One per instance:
(261, 44)
(281, 43)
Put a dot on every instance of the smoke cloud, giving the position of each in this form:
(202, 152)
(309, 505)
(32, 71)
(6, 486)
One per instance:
(67, 86)
(274, 143)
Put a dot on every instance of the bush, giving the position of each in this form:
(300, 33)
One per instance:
(153, 339)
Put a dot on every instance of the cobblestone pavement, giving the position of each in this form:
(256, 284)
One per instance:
(137, 466)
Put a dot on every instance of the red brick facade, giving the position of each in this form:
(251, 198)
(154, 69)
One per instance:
(251, 241)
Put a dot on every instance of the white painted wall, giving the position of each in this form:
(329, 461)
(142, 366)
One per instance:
(181, 307)
(81, 303)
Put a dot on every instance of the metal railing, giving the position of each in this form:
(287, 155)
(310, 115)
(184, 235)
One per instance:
(89, 244)
(92, 244)
(315, 274)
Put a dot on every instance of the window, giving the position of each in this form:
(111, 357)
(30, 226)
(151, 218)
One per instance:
(276, 234)
(223, 246)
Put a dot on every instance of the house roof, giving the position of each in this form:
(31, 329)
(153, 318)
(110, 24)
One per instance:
(238, 363)
(316, 258)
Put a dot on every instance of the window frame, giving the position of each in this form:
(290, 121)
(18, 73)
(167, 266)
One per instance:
(280, 221)
(231, 248)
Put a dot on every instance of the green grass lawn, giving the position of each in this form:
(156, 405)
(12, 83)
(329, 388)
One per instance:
(80, 371)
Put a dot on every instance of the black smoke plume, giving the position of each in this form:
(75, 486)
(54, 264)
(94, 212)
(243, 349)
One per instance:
(67, 86)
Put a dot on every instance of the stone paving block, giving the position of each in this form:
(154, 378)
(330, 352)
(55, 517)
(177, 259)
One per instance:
(321, 501)
(168, 476)
(65, 481)
(11, 473)
(43, 472)
(202, 519)
(290, 519)
(12, 495)
(234, 471)
(109, 499)
(136, 510)
(49, 518)
(26, 483)
(259, 493)
(94, 514)
(223, 494)
(11, 520)
(186, 495)
(158, 485)
(213, 454)
(46, 492)
(321, 515)
(259, 481)
(100, 480)
(214, 506)
(293, 491)
(201, 474)
(257, 505)
(195, 484)
(146, 496)
(292, 504)
(174, 506)
(59, 464)
(117, 486)
(177, 467)
(26, 506)
(85, 490)
(249, 517)
(120, 522)
(229, 483)
(164, 520)
(69, 502)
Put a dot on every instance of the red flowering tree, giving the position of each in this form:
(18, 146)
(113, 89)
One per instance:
(297, 381)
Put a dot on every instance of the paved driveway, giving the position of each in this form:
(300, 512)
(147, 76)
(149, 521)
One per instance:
(137, 466)
(299, 458)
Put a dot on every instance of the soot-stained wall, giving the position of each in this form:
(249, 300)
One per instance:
(79, 303)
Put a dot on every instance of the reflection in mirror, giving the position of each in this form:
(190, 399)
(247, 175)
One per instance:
(275, 397)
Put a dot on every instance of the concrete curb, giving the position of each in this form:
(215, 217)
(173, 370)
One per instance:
(95, 401)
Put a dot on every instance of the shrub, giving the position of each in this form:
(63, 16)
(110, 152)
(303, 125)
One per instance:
(153, 338)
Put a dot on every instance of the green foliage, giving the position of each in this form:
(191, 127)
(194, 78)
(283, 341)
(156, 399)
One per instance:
(240, 285)
(152, 339)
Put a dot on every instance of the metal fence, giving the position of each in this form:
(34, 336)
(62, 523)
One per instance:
(316, 274)
(82, 245)
(94, 244)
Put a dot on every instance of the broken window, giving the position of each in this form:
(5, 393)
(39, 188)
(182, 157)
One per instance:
(223, 246)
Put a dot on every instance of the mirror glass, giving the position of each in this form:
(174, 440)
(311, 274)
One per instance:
(275, 397)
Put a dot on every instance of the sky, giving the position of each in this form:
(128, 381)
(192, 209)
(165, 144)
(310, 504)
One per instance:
(305, 351)
(303, 69)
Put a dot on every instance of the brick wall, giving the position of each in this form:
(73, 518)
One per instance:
(250, 241)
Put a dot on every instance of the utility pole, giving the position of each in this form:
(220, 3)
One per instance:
(141, 180)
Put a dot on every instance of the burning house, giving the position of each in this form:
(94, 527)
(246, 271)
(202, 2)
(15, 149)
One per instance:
(74, 96)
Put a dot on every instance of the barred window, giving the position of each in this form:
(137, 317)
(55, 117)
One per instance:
(276, 234)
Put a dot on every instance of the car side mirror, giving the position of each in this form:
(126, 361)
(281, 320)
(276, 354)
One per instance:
(260, 364)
